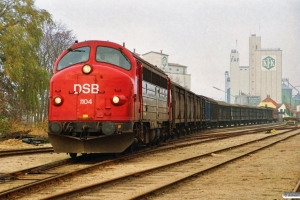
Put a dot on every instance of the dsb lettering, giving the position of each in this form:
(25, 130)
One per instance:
(86, 88)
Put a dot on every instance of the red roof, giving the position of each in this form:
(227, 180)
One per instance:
(268, 99)
(289, 107)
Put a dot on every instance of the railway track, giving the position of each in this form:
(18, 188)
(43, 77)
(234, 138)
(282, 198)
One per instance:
(212, 135)
(17, 152)
(144, 183)
(45, 175)
(243, 127)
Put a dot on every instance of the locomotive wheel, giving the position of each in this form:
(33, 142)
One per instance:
(131, 148)
(117, 155)
(73, 155)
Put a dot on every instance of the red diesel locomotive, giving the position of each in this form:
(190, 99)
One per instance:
(106, 99)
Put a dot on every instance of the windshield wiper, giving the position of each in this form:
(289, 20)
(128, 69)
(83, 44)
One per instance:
(77, 50)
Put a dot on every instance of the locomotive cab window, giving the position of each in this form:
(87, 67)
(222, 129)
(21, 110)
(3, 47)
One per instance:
(112, 56)
(74, 56)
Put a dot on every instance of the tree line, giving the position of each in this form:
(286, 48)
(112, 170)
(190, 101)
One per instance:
(30, 41)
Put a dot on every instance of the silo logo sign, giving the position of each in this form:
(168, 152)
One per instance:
(164, 61)
(268, 63)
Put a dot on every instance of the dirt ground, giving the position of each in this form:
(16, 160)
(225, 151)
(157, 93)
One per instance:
(263, 175)
(15, 163)
(11, 144)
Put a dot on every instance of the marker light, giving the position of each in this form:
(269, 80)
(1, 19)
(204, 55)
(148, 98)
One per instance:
(57, 101)
(86, 69)
(116, 99)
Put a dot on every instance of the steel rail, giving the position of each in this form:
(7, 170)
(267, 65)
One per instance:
(17, 152)
(101, 184)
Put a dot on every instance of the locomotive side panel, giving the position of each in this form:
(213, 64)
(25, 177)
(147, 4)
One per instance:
(154, 123)
(150, 101)
(155, 108)
(163, 111)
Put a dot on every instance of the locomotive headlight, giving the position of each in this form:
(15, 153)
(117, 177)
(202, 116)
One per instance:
(57, 101)
(116, 99)
(86, 69)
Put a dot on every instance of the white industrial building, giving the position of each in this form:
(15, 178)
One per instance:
(176, 72)
(239, 78)
(260, 79)
(265, 66)
(158, 59)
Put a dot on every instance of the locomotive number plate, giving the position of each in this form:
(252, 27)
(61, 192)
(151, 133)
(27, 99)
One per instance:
(86, 101)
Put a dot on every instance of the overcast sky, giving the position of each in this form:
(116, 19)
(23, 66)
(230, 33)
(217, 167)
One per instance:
(196, 33)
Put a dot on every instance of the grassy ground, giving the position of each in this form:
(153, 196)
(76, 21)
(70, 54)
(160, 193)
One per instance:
(39, 129)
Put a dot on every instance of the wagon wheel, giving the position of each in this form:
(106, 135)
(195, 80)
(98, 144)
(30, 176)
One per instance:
(183, 131)
(177, 132)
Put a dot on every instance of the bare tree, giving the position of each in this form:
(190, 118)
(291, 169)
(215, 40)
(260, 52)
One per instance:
(56, 39)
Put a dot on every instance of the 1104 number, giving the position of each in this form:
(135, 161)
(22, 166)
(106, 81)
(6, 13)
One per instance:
(86, 101)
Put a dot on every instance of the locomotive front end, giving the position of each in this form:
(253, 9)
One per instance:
(91, 103)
